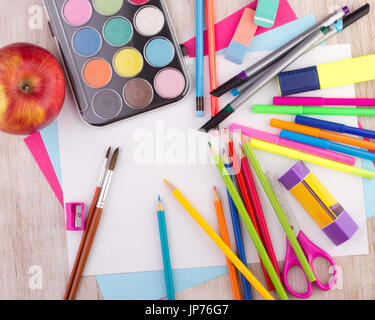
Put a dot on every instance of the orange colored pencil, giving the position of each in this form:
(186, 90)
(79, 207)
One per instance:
(212, 54)
(225, 236)
(319, 133)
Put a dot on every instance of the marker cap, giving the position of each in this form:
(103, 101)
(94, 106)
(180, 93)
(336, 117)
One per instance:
(297, 81)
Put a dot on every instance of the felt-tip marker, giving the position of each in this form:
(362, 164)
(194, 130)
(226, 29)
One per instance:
(335, 127)
(267, 76)
(319, 101)
(264, 63)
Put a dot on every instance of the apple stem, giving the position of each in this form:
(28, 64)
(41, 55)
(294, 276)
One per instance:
(26, 86)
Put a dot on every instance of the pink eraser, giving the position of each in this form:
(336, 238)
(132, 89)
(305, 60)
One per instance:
(242, 38)
(246, 28)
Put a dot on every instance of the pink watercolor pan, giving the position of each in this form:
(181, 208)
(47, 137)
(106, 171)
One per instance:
(169, 83)
(77, 12)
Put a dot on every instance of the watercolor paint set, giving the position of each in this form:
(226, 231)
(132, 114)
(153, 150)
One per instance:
(122, 56)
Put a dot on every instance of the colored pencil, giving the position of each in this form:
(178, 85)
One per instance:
(258, 210)
(219, 242)
(316, 132)
(91, 232)
(248, 224)
(238, 237)
(273, 138)
(279, 212)
(212, 54)
(297, 155)
(246, 197)
(225, 236)
(88, 223)
(165, 251)
(200, 60)
(326, 144)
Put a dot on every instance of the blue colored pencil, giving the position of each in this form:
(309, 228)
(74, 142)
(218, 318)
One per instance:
(200, 60)
(326, 144)
(165, 251)
(238, 236)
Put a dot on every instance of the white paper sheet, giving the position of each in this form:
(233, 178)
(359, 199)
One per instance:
(128, 238)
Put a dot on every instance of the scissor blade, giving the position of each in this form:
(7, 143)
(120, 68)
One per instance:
(283, 201)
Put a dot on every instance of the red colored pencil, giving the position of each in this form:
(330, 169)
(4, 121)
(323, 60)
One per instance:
(246, 197)
(258, 211)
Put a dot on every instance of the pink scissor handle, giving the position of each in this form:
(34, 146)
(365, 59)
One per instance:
(292, 261)
(312, 252)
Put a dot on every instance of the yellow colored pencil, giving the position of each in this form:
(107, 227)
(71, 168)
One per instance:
(232, 272)
(298, 155)
(219, 242)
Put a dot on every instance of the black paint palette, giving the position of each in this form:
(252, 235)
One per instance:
(121, 56)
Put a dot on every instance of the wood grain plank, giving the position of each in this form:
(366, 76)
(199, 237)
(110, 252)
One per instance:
(32, 221)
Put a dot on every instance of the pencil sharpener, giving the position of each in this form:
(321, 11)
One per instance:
(325, 210)
(75, 216)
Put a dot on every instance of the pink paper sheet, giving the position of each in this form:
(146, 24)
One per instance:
(226, 28)
(38, 150)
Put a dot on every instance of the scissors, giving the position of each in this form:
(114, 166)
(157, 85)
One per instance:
(309, 248)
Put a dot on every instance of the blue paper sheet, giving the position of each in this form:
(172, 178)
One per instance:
(50, 138)
(151, 286)
(369, 190)
(275, 38)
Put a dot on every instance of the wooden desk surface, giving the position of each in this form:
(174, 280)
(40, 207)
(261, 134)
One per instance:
(32, 221)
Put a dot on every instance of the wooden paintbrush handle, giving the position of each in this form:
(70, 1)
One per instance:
(83, 240)
(85, 252)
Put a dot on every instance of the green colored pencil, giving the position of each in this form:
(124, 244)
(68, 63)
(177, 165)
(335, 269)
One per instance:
(249, 225)
(250, 154)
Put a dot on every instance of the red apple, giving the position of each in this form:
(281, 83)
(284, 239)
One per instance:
(32, 88)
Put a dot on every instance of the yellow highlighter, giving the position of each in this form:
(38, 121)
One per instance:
(328, 75)
(298, 155)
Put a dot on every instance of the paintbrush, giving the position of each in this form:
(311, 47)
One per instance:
(91, 231)
(89, 219)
